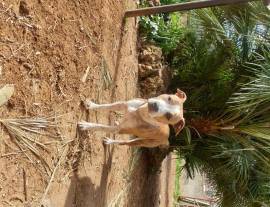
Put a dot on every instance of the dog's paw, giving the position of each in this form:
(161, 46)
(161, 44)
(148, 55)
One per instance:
(88, 104)
(116, 123)
(83, 125)
(108, 141)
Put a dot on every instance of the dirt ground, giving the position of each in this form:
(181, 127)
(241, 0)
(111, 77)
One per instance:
(57, 53)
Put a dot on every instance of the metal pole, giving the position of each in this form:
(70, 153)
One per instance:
(182, 7)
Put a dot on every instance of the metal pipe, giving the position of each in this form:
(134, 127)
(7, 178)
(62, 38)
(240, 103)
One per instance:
(182, 7)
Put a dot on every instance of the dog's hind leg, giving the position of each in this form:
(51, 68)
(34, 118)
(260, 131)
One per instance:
(97, 127)
(137, 142)
(133, 142)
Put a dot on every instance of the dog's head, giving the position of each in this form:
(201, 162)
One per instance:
(168, 109)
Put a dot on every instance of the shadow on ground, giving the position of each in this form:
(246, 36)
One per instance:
(82, 191)
(145, 178)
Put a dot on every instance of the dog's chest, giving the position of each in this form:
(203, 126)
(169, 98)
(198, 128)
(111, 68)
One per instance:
(134, 104)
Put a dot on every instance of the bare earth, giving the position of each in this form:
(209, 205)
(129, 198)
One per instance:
(57, 53)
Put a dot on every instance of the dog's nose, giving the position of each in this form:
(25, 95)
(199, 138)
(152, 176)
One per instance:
(153, 106)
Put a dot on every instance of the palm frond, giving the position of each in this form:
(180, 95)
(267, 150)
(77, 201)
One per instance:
(257, 91)
(26, 133)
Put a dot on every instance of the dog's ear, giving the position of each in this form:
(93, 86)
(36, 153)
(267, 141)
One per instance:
(179, 126)
(181, 94)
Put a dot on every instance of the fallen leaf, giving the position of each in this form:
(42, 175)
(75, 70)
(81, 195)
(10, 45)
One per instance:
(5, 93)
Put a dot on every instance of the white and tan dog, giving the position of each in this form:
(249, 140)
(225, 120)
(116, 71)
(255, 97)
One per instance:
(146, 119)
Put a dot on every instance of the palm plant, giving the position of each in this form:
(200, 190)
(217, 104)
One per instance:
(224, 65)
(234, 148)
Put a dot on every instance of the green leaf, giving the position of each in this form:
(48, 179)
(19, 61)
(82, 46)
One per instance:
(256, 130)
(188, 135)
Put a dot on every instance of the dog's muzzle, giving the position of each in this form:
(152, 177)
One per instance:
(153, 107)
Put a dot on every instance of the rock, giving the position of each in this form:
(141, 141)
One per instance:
(147, 71)
(23, 9)
(154, 74)
(153, 2)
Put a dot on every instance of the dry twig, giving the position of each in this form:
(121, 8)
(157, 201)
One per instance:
(25, 133)
(107, 79)
(83, 79)
(24, 185)
(53, 175)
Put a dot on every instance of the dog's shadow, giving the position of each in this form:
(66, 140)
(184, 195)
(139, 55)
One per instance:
(83, 192)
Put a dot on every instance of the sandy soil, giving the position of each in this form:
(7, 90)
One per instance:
(45, 50)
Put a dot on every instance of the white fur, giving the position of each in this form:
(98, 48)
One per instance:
(97, 127)
(131, 105)
(163, 108)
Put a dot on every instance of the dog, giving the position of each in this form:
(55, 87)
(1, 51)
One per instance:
(147, 120)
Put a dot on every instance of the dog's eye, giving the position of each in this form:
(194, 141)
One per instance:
(168, 116)
(169, 99)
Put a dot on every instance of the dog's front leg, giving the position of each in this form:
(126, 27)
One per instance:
(130, 105)
(117, 106)
(97, 127)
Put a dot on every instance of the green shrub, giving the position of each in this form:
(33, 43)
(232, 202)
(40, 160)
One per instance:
(162, 32)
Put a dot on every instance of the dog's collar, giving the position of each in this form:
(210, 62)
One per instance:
(174, 140)
(172, 133)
